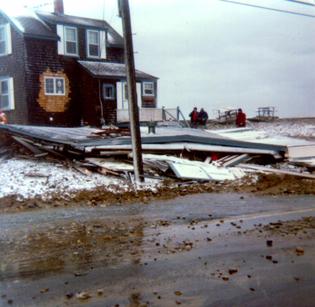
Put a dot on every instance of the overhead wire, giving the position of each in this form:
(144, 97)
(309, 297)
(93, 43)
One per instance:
(268, 8)
(301, 2)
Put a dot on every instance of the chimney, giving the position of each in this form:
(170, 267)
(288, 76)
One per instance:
(58, 7)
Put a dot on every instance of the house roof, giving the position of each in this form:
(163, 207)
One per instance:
(114, 38)
(36, 24)
(34, 27)
(29, 24)
(112, 70)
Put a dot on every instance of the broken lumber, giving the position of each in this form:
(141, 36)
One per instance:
(264, 169)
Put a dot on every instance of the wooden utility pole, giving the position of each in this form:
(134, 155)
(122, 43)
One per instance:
(124, 13)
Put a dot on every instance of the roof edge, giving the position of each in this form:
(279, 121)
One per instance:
(11, 21)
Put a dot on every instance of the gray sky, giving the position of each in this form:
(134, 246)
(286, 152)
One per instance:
(213, 54)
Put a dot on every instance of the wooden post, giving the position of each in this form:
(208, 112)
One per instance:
(124, 13)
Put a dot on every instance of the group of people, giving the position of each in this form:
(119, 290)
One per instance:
(198, 119)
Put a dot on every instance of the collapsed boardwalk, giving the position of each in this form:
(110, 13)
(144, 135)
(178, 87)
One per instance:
(100, 159)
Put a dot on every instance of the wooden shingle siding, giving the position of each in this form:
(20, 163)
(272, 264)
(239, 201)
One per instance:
(13, 65)
(115, 55)
(90, 101)
(35, 54)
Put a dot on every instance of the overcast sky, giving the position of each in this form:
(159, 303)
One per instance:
(214, 54)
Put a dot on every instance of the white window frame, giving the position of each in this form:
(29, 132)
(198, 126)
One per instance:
(65, 41)
(144, 84)
(7, 39)
(88, 44)
(109, 85)
(10, 93)
(55, 86)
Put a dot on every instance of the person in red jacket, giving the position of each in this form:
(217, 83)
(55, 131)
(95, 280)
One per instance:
(194, 118)
(240, 118)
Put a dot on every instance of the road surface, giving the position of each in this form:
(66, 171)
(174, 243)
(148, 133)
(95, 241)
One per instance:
(200, 250)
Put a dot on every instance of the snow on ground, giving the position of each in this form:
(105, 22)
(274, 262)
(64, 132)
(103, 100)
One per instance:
(28, 179)
(287, 128)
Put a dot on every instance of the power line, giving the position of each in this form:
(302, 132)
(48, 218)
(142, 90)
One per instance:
(268, 8)
(301, 2)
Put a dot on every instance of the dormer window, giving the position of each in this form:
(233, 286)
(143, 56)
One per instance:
(96, 44)
(93, 39)
(5, 39)
(68, 40)
(71, 41)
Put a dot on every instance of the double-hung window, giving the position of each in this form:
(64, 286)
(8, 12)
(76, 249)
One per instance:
(93, 43)
(148, 89)
(5, 39)
(54, 86)
(71, 41)
(6, 94)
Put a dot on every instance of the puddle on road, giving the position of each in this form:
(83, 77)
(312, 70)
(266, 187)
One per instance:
(77, 243)
(72, 247)
(78, 247)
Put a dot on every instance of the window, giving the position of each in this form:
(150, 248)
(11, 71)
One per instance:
(148, 89)
(54, 86)
(93, 42)
(6, 94)
(108, 91)
(2, 40)
(5, 39)
(71, 41)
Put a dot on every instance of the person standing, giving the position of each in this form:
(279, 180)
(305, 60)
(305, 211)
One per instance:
(194, 118)
(240, 119)
(202, 118)
(3, 118)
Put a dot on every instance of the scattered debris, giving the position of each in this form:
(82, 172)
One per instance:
(299, 251)
(181, 154)
(269, 243)
(83, 295)
(233, 271)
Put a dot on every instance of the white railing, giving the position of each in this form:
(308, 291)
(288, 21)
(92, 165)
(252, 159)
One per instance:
(149, 114)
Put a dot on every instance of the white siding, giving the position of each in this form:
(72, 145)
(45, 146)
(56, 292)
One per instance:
(139, 96)
(60, 33)
(122, 103)
(119, 91)
(11, 93)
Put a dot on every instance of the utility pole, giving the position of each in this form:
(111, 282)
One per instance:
(124, 13)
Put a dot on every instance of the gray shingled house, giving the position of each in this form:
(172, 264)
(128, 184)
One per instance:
(63, 70)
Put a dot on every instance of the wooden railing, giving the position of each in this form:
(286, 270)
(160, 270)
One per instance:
(151, 114)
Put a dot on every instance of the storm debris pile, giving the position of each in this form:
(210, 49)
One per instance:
(103, 158)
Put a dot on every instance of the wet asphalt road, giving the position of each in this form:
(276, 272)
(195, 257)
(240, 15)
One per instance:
(201, 250)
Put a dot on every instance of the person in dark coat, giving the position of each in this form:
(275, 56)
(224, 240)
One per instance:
(240, 119)
(194, 118)
(202, 118)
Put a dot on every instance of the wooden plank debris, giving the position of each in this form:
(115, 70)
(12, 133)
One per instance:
(111, 165)
(233, 160)
(25, 143)
(187, 169)
(264, 169)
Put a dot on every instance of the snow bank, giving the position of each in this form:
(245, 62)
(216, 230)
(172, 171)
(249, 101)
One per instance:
(28, 179)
